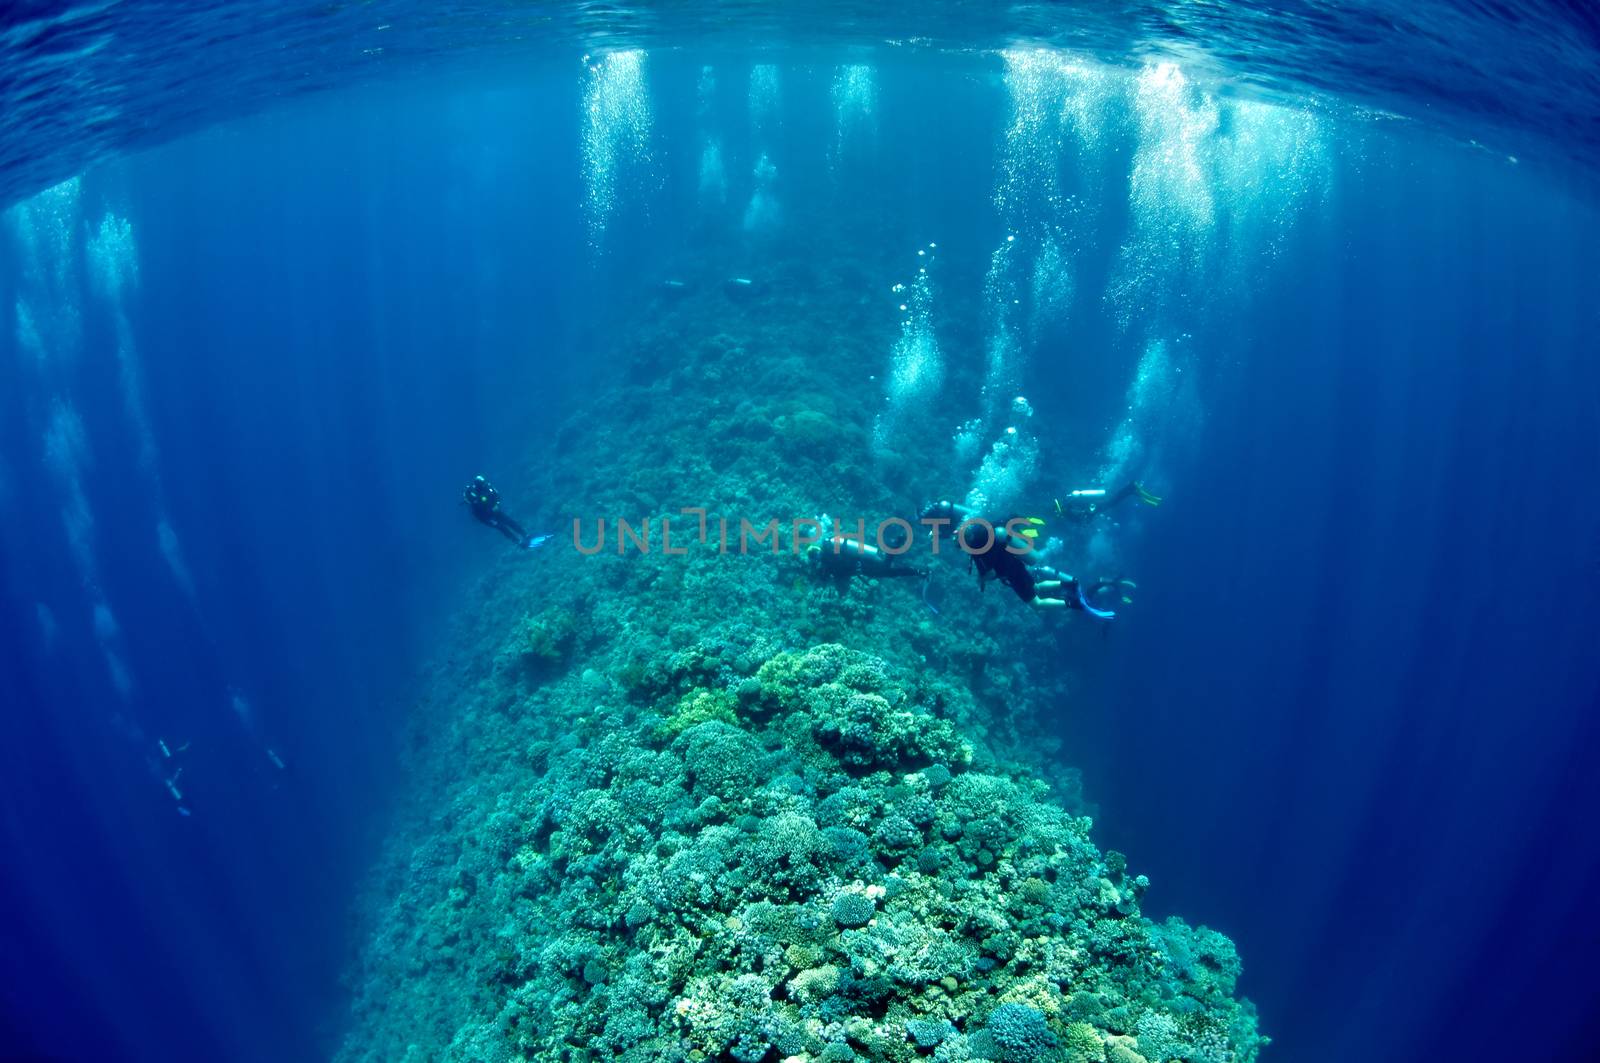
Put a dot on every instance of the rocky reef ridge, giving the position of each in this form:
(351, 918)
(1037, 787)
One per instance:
(703, 808)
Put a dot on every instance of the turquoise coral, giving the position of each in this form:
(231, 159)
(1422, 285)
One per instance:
(1021, 1032)
(853, 909)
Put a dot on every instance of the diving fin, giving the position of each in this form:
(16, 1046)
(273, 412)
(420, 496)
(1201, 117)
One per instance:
(535, 541)
(1099, 614)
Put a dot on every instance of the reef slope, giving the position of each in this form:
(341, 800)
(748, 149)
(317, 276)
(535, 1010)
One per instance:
(701, 807)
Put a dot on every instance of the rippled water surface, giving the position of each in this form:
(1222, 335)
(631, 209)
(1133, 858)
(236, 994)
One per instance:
(80, 79)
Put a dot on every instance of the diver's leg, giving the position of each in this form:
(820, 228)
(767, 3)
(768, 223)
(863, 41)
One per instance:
(1064, 592)
(1136, 487)
(1050, 594)
(1121, 495)
(507, 528)
(1117, 586)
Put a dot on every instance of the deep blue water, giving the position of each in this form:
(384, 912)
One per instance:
(328, 335)
(1349, 720)
(1356, 712)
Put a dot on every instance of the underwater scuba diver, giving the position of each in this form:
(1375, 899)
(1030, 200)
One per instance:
(169, 757)
(842, 557)
(996, 553)
(1085, 504)
(484, 501)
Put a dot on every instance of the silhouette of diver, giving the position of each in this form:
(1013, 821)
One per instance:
(484, 501)
(1004, 552)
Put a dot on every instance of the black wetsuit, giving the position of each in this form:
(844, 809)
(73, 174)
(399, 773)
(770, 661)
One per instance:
(995, 561)
(484, 501)
(997, 554)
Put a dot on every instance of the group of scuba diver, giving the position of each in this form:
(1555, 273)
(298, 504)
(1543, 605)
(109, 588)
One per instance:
(1004, 551)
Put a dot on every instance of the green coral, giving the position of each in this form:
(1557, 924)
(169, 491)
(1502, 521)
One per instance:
(1081, 1043)
(548, 637)
(697, 707)
(814, 985)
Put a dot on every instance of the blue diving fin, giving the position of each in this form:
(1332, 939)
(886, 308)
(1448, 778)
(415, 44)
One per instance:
(1100, 614)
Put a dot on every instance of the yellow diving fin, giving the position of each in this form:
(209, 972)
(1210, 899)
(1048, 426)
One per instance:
(1145, 496)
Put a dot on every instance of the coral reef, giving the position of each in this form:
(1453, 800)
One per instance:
(698, 808)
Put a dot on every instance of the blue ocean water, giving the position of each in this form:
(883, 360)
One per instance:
(275, 279)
